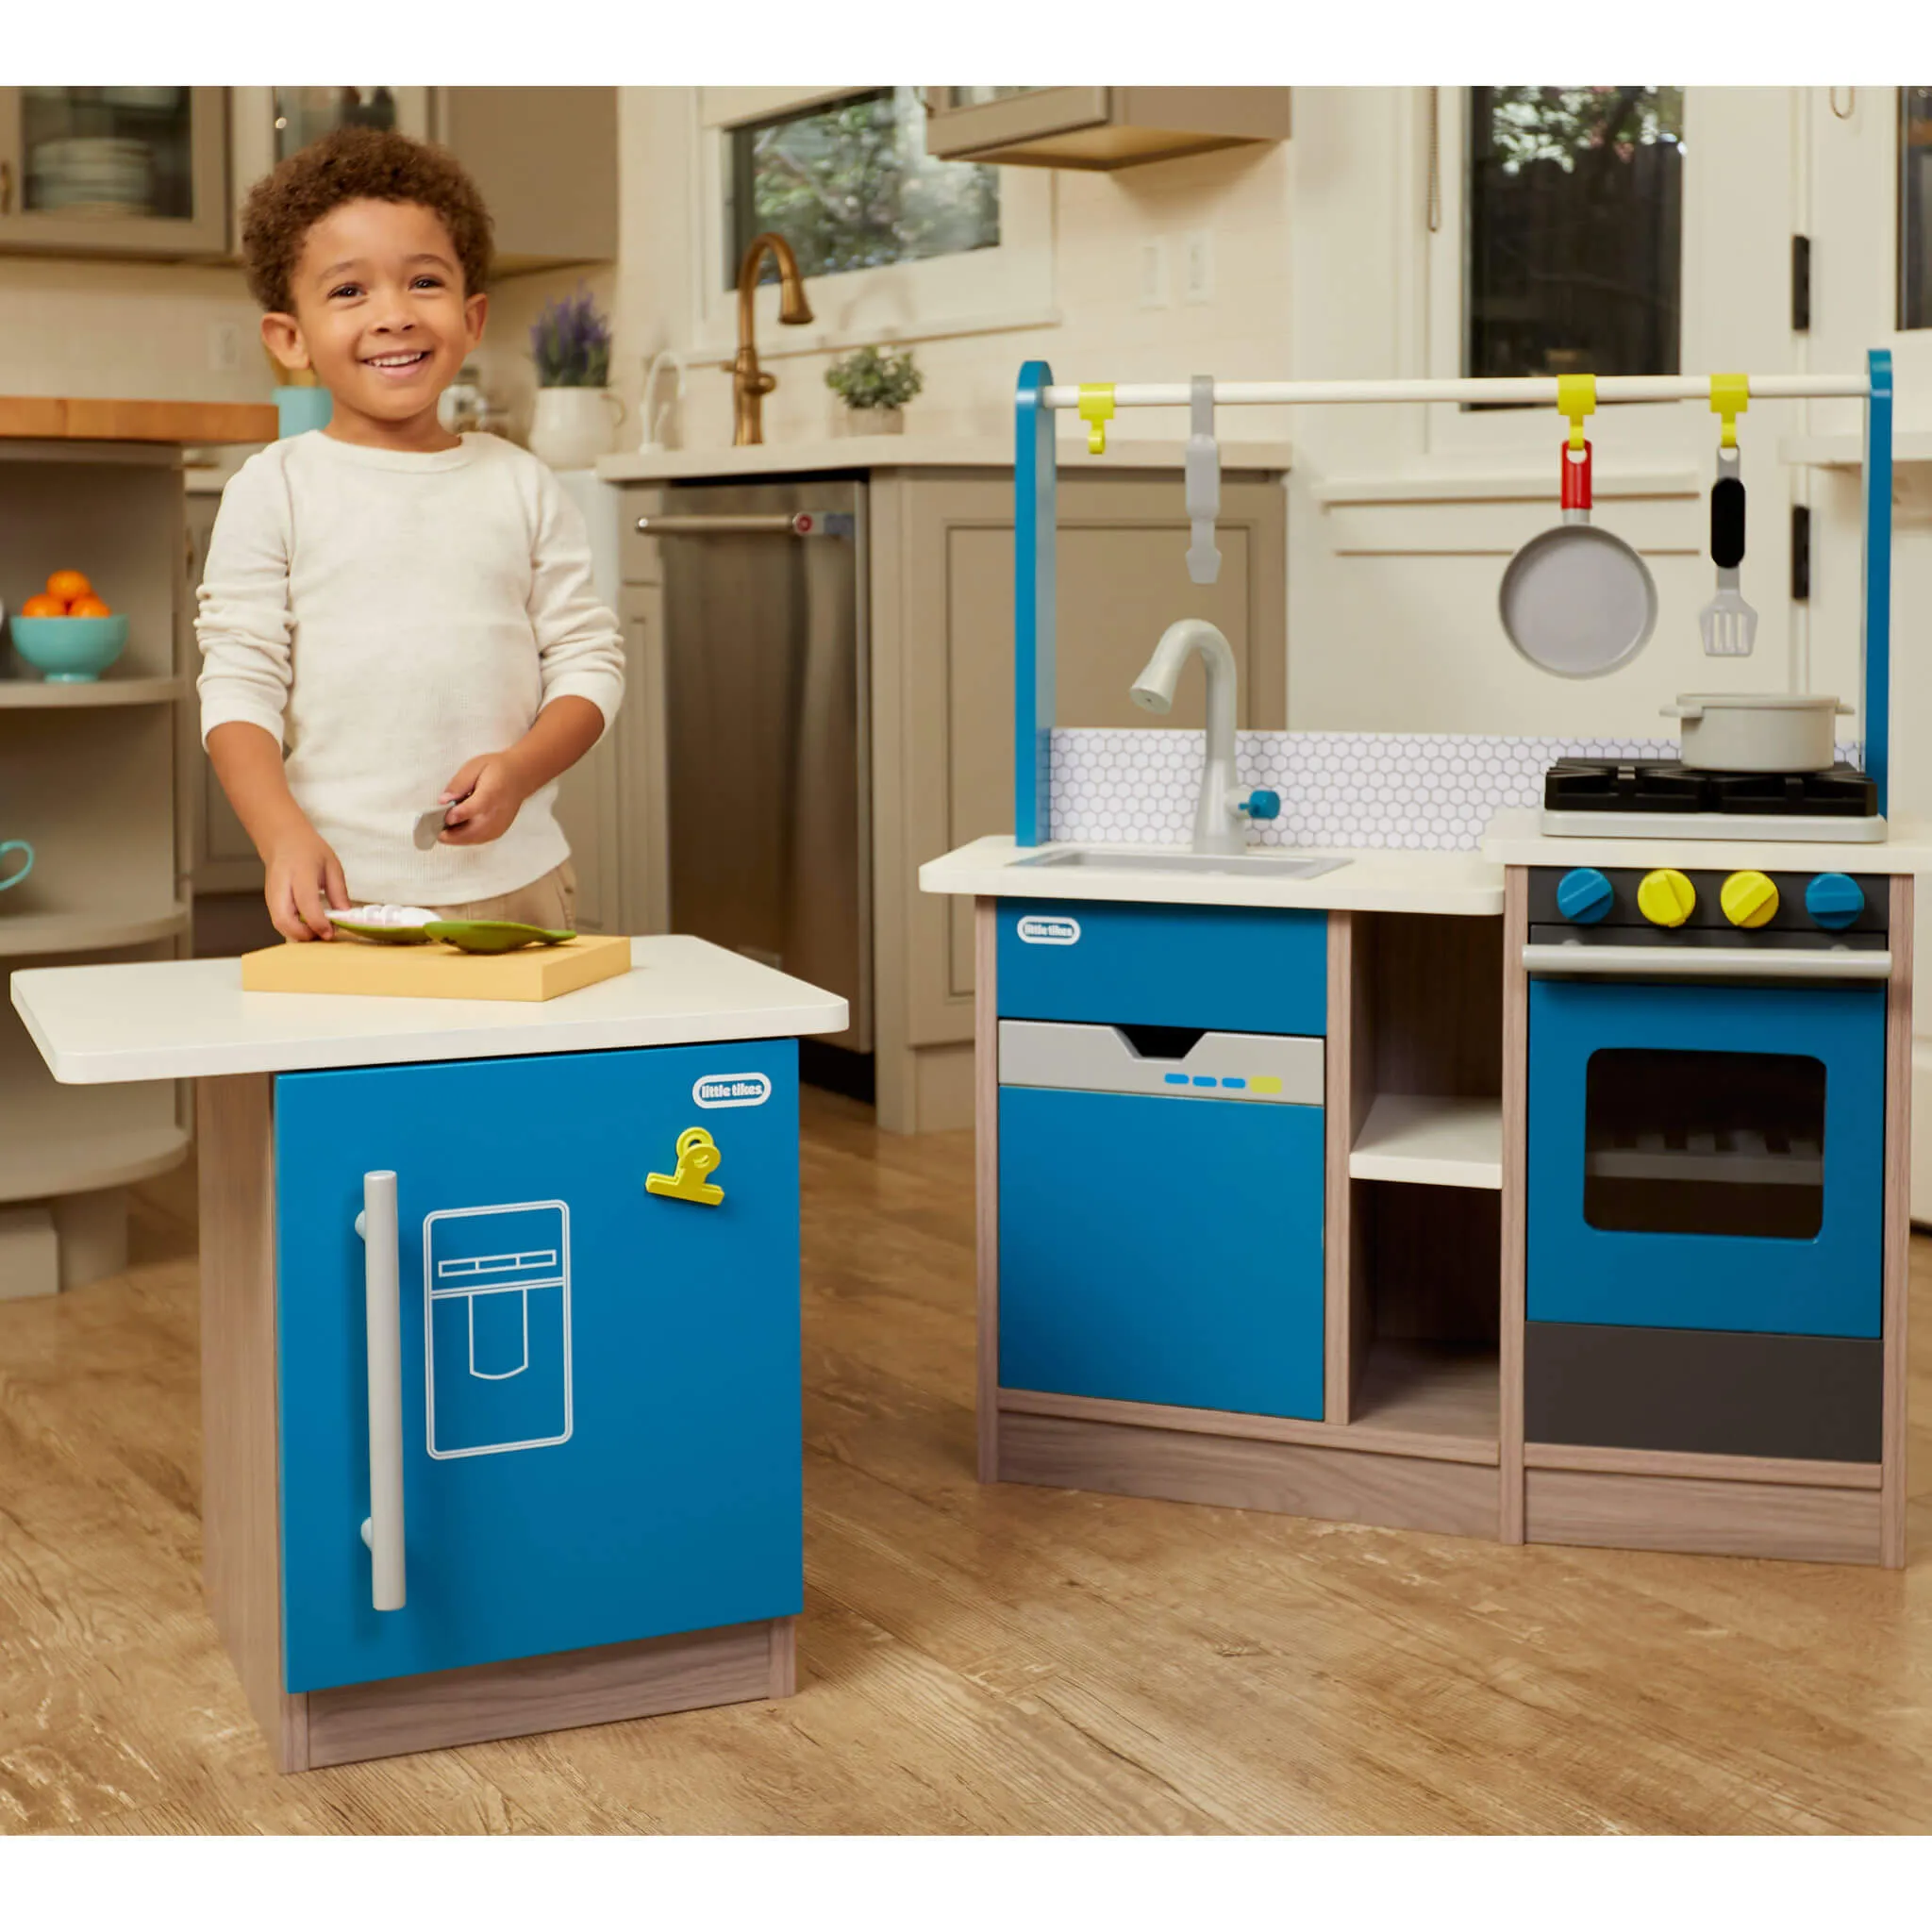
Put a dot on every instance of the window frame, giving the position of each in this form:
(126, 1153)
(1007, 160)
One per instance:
(1010, 286)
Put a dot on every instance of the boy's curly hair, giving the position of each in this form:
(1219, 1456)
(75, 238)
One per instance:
(357, 164)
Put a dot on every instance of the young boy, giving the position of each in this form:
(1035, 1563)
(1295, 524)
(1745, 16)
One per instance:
(405, 615)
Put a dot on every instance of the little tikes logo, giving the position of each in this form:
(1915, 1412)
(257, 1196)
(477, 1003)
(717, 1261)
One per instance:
(1039, 930)
(732, 1089)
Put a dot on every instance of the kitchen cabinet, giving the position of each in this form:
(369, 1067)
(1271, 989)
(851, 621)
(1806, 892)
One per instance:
(544, 157)
(557, 1381)
(568, 1342)
(114, 171)
(1098, 128)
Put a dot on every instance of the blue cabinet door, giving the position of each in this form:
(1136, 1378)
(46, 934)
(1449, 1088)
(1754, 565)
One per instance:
(1801, 1209)
(601, 1421)
(1156, 1250)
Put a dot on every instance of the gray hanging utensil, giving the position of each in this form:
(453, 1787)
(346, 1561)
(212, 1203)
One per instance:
(1203, 482)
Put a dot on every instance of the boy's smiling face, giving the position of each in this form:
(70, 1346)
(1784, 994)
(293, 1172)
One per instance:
(381, 316)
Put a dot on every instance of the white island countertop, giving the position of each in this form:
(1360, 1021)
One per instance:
(1462, 883)
(181, 1019)
(924, 452)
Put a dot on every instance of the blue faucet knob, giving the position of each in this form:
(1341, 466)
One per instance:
(1264, 805)
(1834, 900)
(1584, 895)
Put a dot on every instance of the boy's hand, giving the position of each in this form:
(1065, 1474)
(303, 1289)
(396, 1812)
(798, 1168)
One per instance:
(484, 798)
(304, 879)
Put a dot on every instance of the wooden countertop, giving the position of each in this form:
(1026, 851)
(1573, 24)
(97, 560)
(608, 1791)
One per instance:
(101, 419)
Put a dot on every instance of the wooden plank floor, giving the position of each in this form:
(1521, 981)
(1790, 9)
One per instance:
(971, 1659)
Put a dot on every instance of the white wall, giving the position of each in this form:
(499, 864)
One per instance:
(1104, 334)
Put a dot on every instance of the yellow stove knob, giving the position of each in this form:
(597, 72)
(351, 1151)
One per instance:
(1666, 897)
(1749, 899)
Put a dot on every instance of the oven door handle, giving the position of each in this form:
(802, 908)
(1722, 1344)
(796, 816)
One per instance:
(1704, 962)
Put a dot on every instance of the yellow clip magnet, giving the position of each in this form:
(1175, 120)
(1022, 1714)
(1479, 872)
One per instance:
(1730, 396)
(1576, 399)
(1096, 412)
(697, 1155)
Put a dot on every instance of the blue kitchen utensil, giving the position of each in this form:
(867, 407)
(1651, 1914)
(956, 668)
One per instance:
(7, 845)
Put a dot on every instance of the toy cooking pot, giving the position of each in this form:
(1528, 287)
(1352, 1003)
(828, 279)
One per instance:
(1758, 731)
(1576, 600)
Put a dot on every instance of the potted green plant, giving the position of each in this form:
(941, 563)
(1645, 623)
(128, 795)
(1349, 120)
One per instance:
(576, 415)
(875, 388)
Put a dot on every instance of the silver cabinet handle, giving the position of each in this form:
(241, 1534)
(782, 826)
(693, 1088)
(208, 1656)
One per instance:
(804, 522)
(1705, 962)
(383, 1530)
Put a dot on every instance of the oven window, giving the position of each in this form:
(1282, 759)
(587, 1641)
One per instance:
(1724, 1143)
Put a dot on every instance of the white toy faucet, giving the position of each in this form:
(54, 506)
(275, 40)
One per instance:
(1222, 811)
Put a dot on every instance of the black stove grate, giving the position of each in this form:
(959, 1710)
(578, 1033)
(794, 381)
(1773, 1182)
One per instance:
(1664, 785)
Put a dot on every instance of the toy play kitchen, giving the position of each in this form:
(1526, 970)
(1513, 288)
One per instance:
(500, 1333)
(1500, 1137)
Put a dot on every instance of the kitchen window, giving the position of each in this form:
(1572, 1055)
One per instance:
(1573, 201)
(1915, 207)
(849, 185)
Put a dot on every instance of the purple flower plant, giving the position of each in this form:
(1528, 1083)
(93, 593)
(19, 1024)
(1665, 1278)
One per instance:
(571, 344)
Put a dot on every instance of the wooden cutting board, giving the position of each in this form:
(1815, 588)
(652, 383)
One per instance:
(434, 972)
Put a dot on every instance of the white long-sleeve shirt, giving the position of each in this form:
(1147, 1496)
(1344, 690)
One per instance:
(387, 615)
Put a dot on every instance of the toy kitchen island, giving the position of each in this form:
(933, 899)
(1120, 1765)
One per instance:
(1514, 1145)
(500, 1336)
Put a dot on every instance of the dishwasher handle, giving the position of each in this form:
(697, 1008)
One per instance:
(1704, 963)
(381, 1295)
(801, 522)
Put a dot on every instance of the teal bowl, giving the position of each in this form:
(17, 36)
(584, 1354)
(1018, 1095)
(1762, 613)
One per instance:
(70, 650)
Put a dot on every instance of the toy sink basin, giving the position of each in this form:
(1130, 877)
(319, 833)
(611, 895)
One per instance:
(70, 650)
(1233, 864)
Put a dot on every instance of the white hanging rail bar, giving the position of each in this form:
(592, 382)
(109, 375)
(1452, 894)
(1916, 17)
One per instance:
(1512, 389)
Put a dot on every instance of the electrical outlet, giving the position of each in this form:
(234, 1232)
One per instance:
(1155, 292)
(223, 347)
(1197, 256)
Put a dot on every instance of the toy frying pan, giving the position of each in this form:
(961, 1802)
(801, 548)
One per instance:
(1576, 600)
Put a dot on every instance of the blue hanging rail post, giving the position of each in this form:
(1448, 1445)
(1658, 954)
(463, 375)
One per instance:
(1034, 518)
(1876, 640)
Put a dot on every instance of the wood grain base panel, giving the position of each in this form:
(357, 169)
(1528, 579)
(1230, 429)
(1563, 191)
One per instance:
(606, 1685)
(1701, 1518)
(1287, 1478)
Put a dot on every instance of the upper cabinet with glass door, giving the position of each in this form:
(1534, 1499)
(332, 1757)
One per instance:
(123, 171)
(1098, 128)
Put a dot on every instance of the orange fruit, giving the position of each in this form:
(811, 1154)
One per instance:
(44, 606)
(89, 607)
(67, 585)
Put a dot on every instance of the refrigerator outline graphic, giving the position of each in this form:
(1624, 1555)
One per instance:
(500, 1257)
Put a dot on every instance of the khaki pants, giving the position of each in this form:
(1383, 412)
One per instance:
(550, 902)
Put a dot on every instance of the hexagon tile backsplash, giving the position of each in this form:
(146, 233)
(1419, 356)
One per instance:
(1420, 792)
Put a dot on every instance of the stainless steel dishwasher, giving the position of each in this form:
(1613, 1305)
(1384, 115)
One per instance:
(768, 768)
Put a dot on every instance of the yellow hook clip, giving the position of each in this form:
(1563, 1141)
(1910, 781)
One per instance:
(1576, 399)
(1096, 412)
(697, 1155)
(1730, 396)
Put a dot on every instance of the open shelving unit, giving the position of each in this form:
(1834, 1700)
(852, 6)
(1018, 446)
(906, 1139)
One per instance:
(1415, 1228)
(88, 778)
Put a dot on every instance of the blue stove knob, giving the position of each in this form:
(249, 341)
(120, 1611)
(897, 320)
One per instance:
(1584, 895)
(1834, 900)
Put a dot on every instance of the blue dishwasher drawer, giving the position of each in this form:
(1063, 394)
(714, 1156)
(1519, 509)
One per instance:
(1156, 1250)
(1224, 968)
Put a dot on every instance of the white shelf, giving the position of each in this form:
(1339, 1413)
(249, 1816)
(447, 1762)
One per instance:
(24, 934)
(35, 1169)
(1847, 451)
(1435, 1142)
(32, 694)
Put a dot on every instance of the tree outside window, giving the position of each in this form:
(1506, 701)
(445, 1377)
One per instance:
(850, 185)
(1575, 231)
